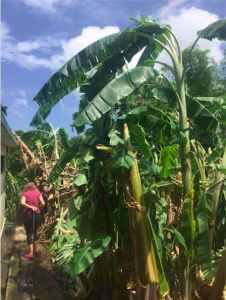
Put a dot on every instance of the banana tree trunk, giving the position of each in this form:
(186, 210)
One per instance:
(145, 262)
(216, 198)
(188, 223)
(220, 280)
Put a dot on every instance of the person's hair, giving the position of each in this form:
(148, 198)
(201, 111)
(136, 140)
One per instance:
(30, 186)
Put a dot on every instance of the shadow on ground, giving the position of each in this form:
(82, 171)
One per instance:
(18, 273)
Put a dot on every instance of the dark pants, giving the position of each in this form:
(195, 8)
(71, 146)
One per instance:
(28, 223)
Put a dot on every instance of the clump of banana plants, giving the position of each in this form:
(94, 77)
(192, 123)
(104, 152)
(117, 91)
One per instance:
(149, 204)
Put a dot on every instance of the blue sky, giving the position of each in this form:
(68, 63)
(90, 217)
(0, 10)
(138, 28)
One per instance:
(39, 36)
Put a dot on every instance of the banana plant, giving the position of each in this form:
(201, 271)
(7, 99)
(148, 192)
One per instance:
(13, 194)
(107, 87)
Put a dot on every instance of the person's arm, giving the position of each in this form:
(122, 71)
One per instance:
(41, 201)
(23, 202)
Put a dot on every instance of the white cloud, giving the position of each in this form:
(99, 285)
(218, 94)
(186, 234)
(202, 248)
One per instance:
(39, 43)
(185, 21)
(5, 31)
(20, 107)
(49, 6)
(88, 36)
(29, 54)
(21, 93)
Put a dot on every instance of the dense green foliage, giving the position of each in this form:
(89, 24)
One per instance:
(151, 191)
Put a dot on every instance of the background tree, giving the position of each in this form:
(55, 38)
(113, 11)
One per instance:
(201, 75)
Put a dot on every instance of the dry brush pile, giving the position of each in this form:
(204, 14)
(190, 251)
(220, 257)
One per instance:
(57, 194)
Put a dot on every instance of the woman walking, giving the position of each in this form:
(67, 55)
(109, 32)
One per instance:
(31, 198)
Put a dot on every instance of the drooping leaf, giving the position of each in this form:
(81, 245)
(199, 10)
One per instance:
(86, 152)
(168, 155)
(163, 284)
(188, 228)
(116, 90)
(150, 117)
(122, 159)
(201, 116)
(211, 100)
(64, 137)
(61, 163)
(152, 51)
(81, 177)
(67, 250)
(180, 238)
(162, 93)
(220, 225)
(202, 239)
(115, 48)
(84, 216)
(85, 256)
(145, 147)
(214, 30)
(218, 167)
(153, 168)
(74, 206)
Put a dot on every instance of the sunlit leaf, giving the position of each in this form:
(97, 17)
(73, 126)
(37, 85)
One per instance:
(85, 256)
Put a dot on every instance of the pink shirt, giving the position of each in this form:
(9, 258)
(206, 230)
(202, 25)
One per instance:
(32, 198)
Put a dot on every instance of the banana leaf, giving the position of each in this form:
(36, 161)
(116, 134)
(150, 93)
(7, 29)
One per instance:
(64, 138)
(201, 116)
(188, 225)
(152, 50)
(162, 93)
(81, 177)
(163, 284)
(116, 90)
(85, 256)
(144, 146)
(214, 30)
(150, 117)
(61, 163)
(122, 159)
(202, 241)
(168, 156)
(117, 48)
(84, 216)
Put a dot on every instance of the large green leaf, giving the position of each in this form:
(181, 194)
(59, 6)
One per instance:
(67, 247)
(81, 177)
(214, 30)
(86, 152)
(150, 117)
(122, 159)
(144, 146)
(162, 93)
(116, 90)
(163, 284)
(116, 48)
(211, 100)
(64, 137)
(168, 155)
(152, 50)
(85, 256)
(188, 228)
(202, 239)
(84, 216)
(201, 116)
(61, 163)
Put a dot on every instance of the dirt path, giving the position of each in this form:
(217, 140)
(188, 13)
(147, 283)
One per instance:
(17, 272)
